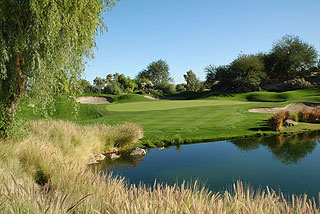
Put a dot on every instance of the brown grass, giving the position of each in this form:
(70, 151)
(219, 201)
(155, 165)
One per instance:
(276, 121)
(312, 116)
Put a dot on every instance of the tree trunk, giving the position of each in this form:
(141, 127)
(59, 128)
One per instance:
(12, 88)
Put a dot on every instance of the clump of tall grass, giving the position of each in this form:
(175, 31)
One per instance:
(276, 121)
(69, 136)
(312, 116)
(126, 134)
(46, 173)
(294, 116)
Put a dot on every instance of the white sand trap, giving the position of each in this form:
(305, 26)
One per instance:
(151, 98)
(291, 107)
(94, 100)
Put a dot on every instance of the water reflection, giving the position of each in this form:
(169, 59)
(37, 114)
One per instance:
(290, 149)
(125, 162)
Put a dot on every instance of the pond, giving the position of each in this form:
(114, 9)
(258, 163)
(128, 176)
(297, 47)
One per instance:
(287, 163)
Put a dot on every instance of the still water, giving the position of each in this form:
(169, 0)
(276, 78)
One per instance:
(287, 163)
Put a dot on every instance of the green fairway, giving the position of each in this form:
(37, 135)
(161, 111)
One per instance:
(169, 105)
(208, 116)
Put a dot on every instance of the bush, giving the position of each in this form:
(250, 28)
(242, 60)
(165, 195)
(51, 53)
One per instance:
(166, 88)
(112, 88)
(311, 117)
(303, 115)
(294, 116)
(126, 134)
(293, 84)
(181, 87)
(276, 121)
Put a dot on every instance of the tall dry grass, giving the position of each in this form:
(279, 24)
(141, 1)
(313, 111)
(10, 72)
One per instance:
(276, 121)
(46, 173)
(312, 116)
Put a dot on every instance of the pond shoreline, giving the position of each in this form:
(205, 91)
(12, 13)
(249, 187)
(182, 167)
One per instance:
(185, 142)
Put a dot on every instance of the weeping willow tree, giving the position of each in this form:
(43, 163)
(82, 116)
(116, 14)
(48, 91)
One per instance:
(43, 48)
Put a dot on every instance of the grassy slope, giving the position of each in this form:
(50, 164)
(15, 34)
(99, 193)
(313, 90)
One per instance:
(205, 116)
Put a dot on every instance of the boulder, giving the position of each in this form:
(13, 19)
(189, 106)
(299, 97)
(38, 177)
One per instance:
(99, 157)
(114, 156)
(138, 152)
(92, 162)
(115, 150)
(289, 122)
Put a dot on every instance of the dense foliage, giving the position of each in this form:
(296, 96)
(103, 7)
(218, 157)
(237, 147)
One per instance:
(248, 72)
(286, 67)
(193, 83)
(157, 72)
(155, 79)
(43, 45)
(119, 84)
(290, 57)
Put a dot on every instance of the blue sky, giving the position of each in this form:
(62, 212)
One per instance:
(193, 34)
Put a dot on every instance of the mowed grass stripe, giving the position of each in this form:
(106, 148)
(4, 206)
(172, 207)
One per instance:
(168, 104)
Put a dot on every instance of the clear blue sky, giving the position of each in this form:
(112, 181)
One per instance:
(193, 34)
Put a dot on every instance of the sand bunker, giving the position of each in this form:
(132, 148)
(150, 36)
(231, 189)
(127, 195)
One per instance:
(291, 107)
(94, 100)
(151, 98)
(165, 98)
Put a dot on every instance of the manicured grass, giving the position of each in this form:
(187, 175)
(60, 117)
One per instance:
(204, 116)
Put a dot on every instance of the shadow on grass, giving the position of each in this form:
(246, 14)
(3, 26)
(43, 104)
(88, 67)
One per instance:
(264, 128)
(192, 95)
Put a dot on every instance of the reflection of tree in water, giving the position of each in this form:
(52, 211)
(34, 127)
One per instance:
(287, 149)
(248, 143)
(291, 150)
(125, 162)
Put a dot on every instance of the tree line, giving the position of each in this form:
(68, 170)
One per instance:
(290, 64)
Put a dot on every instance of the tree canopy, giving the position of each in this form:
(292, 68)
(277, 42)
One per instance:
(157, 72)
(291, 57)
(193, 83)
(248, 71)
(118, 84)
(43, 45)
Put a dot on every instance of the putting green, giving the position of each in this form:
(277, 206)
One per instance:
(159, 105)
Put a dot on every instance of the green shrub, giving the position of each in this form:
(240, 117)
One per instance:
(166, 88)
(294, 116)
(181, 87)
